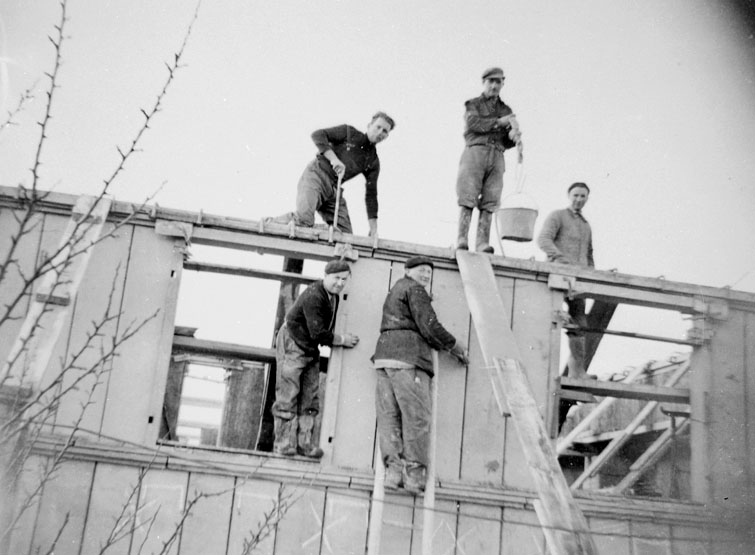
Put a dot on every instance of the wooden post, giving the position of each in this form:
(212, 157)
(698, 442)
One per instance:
(428, 526)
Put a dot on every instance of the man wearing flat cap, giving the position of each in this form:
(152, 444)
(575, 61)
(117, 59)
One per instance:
(308, 324)
(490, 128)
(408, 331)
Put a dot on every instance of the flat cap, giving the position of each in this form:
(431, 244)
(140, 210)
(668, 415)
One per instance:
(418, 261)
(492, 73)
(335, 266)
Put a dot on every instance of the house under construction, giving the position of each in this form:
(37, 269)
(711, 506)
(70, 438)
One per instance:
(165, 447)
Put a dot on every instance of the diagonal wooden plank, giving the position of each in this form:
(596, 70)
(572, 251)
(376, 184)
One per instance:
(50, 306)
(559, 514)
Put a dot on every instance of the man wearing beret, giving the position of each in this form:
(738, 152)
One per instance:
(343, 151)
(308, 324)
(490, 128)
(408, 331)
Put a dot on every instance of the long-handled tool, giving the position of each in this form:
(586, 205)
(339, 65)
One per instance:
(334, 225)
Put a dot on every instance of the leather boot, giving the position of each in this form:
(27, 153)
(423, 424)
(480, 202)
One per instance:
(414, 478)
(306, 445)
(483, 232)
(285, 436)
(465, 218)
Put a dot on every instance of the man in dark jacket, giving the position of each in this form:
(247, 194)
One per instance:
(408, 332)
(346, 152)
(309, 323)
(490, 128)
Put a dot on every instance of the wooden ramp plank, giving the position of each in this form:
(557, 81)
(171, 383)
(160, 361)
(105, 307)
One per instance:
(568, 531)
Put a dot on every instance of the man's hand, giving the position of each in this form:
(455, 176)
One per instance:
(348, 340)
(335, 161)
(504, 121)
(460, 353)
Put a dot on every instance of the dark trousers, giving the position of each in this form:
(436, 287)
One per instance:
(297, 392)
(316, 192)
(403, 416)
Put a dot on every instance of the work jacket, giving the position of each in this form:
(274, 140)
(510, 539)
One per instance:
(357, 153)
(410, 328)
(481, 126)
(311, 319)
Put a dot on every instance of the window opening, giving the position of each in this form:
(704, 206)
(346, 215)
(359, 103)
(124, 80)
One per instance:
(221, 381)
(652, 344)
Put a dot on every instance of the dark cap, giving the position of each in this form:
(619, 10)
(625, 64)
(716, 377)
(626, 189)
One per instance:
(492, 73)
(335, 266)
(418, 261)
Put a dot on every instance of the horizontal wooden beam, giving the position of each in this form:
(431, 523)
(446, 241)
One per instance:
(247, 272)
(633, 335)
(219, 348)
(627, 391)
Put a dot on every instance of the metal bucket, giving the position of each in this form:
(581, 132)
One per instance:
(516, 223)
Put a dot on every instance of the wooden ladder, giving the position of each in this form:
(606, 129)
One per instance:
(563, 524)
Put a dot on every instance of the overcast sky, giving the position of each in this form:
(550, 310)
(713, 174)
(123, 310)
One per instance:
(652, 103)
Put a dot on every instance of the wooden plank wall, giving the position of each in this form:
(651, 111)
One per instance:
(26, 254)
(99, 500)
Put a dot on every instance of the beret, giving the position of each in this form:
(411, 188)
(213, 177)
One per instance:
(335, 266)
(493, 73)
(418, 261)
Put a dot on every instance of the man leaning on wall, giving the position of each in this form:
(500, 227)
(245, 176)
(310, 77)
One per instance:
(566, 238)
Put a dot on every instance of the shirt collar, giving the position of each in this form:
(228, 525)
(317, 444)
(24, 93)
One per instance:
(576, 214)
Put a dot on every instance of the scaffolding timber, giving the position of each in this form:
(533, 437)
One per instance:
(487, 495)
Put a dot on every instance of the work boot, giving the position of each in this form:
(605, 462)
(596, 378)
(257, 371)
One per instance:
(483, 232)
(465, 218)
(393, 476)
(306, 445)
(414, 478)
(285, 436)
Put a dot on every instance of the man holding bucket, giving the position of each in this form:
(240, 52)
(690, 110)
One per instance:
(490, 127)
(566, 238)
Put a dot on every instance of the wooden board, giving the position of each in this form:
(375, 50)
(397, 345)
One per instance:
(611, 536)
(650, 539)
(500, 347)
(451, 307)
(350, 432)
(398, 521)
(521, 533)
(65, 496)
(206, 529)
(162, 499)
(28, 482)
(484, 427)
(444, 527)
(150, 282)
(106, 273)
(251, 500)
(727, 427)
(345, 524)
(531, 322)
(111, 509)
(300, 530)
(12, 284)
(479, 529)
(687, 540)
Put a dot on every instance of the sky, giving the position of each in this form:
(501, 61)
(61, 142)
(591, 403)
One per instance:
(652, 103)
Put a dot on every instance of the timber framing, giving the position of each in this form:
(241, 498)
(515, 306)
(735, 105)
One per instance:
(263, 466)
(254, 235)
